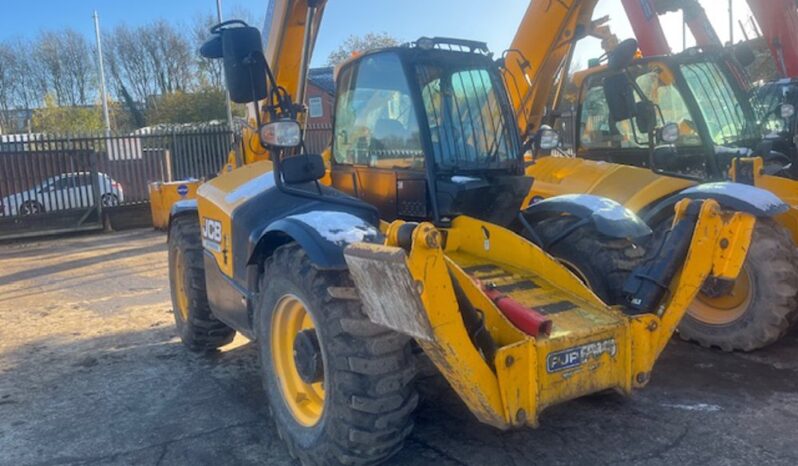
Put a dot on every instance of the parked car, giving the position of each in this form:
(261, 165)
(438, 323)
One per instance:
(61, 192)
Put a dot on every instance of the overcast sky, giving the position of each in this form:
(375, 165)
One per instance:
(493, 21)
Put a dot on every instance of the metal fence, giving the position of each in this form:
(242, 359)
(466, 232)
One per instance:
(66, 180)
(317, 138)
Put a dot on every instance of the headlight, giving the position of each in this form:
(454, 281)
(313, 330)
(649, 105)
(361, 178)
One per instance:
(787, 110)
(283, 133)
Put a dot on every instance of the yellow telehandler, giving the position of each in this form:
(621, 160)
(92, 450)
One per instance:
(648, 132)
(414, 245)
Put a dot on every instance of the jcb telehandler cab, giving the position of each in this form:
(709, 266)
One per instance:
(337, 300)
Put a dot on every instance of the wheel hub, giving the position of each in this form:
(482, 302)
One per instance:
(298, 360)
(715, 287)
(307, 356)
(722, 302)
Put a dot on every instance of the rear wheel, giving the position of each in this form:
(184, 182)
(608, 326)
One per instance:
(339, 386)
(198, 328)
(31, 208)
(109, 200)
(598, 260)
(758, 308)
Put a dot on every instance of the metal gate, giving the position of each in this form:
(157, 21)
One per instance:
(57, 184)
(49, 192)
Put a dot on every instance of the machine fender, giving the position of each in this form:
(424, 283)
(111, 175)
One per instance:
(323, 234)
(609, 217)
(733, 196)
(180, 208)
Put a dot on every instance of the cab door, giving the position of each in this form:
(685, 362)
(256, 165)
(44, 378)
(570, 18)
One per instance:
(377, 151)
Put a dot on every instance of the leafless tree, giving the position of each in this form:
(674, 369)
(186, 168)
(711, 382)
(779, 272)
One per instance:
(63, 65)
(169, 56)
(7, 64)
(360, 44)
(27, 88)
(78, 67)
(209, 72)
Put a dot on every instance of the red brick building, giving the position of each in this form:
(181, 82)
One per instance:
(320, 102)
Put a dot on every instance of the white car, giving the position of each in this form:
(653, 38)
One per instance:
(61, 192)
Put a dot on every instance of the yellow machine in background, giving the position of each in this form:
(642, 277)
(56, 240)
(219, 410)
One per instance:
(163, 196)
(749, 313)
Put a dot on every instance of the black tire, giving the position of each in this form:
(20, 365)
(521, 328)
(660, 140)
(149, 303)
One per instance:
(198, 328)
(772, 271)
(601, 261)
(31, 208)
(368, 370)
(109, 200)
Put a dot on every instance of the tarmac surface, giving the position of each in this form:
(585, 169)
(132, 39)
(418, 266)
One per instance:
(91, 372)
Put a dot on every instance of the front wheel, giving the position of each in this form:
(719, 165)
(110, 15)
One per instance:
(602, 262)
(757, 308)
(339, 386)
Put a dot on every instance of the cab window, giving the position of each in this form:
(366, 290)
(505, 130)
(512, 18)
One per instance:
(376, 123)
(467, 126)
(598, 132)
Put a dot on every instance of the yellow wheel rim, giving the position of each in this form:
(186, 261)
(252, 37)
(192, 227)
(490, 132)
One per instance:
(180, 285)
(724, 309)
(576, 271)
(304, 400)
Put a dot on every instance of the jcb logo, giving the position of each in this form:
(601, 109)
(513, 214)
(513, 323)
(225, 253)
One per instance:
(212, 230)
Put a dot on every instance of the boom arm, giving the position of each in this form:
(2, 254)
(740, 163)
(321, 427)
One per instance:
(540, 51)
(778, 20)
(644, 17)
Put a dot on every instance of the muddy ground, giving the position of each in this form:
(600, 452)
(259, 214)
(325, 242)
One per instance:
(91, 372)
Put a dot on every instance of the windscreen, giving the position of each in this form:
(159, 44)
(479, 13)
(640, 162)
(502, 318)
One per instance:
(467, 124)
(727, 121)
(376, 122)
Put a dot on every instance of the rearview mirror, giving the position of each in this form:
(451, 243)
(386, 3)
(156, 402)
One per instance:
(669, 133)
(302, 168)
(239, 46)
(547, 138)
(622, 55)
(620, 97)
(744, 54)
(645, 116)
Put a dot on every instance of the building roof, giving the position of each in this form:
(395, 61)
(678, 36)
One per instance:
(323, 78)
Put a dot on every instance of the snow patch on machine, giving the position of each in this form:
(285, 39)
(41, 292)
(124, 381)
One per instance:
(339, 228)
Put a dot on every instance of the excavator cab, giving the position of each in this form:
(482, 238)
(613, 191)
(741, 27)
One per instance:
(425, 132)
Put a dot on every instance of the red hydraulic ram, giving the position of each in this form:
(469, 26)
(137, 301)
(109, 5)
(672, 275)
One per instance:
(526, 319)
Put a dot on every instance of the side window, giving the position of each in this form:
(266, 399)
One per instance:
(84, 179)
(596, 131)
(65, 182)
(375, 121)
(465, 116)
(672, 105)
(594, 125)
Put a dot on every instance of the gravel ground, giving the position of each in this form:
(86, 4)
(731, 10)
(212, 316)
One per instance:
(91, 372)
